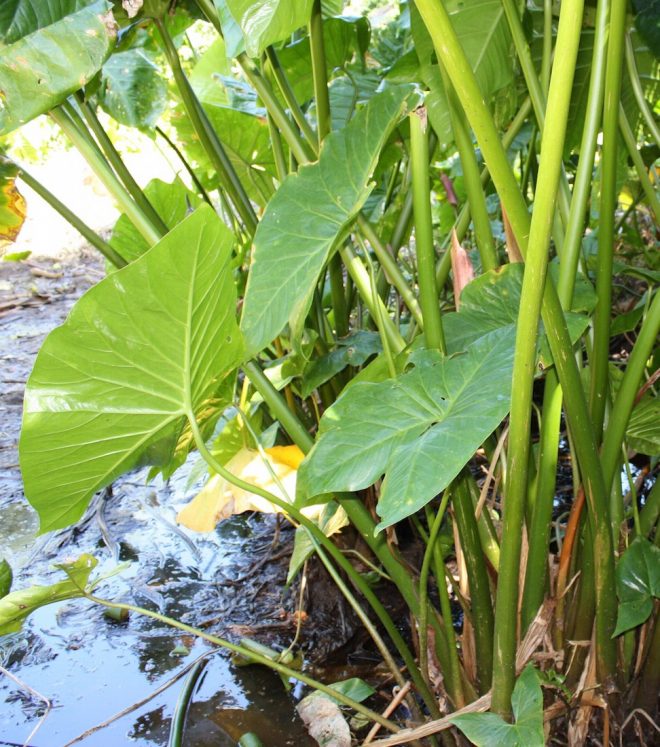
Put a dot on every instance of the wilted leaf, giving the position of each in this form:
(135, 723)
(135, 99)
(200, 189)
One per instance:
(461, 268)
(219, 499)
(16, 606)
(309, 215)
(12, 204)
(637, 583)
(490, 730)
(324, 721)
(140, 353)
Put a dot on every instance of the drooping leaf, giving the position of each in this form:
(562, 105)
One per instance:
(219, 499)
(132, 89)
(353, 350)
(12, 204)
(16, 606)
(172, 201)
(265, 22)
(437, 414)
(637, 584)
(643, 433)
(6, 578)
(482, 29)
(142, 351)
(310, 213)
(39, 70)
(490, 730)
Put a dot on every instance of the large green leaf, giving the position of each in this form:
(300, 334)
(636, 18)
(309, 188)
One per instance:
(18, 18)
(172, 201)
(39, 70)
(12, 204)
(418, 429)
(132, 90)
(16, 606)
(310, 214)
(265, 22)
(491, 302)
(482, 29)
(140, 353)
(491, 730)
(637, 584)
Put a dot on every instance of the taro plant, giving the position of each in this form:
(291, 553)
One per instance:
(411, 253)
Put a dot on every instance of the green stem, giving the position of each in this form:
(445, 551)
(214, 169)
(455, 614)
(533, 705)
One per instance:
(183, 702)
(453, 58)
(94, 239)
(302, 152)
(649, 514)
(546, 60)
(640, 168)
(118, 164)
(625, 399)
(428, 291)
(584, 174)
(372, 301)
(390, 267)
(536, 572)
(207, 135)
(319, 72)
(90, 152)
(476, 197)
(607, 208)
(430, 554)
(481, 602)
(251, 656)
(568, 38)
(642, 103)
(290, 98)
(191, 172)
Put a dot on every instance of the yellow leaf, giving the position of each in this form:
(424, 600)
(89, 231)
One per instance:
(219, 499)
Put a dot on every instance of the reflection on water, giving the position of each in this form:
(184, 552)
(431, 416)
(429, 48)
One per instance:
(92, 667)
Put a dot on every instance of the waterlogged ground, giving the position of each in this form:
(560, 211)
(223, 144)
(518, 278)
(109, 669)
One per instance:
(91, 667)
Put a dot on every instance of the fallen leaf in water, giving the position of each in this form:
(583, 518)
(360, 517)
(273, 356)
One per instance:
(219, 499)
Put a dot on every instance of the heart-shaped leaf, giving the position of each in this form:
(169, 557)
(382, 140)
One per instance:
(141, 352)
(310, 213)
(418, 429)
(637, 584)
(38, 70)
(491, 730)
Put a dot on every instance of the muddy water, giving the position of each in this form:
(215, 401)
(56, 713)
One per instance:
(91, 667)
